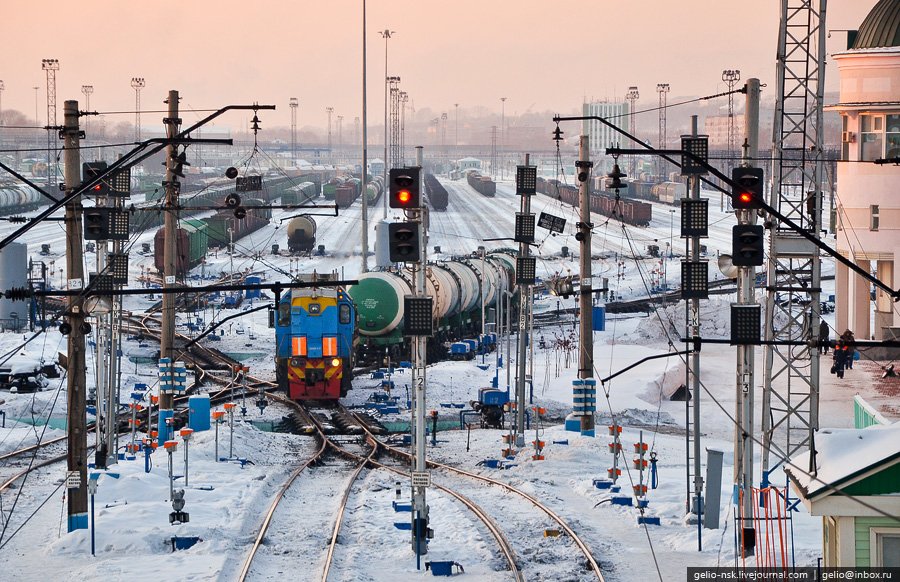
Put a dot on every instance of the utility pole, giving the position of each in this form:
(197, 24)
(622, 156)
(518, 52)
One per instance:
(340, 128)
(76, 455)
(586, 331)
(167, 331)
(743, 433)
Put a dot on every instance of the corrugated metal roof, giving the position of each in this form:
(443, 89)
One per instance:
(881, 27)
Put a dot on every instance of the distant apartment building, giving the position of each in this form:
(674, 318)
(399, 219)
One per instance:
(602, 136)
(716, 127)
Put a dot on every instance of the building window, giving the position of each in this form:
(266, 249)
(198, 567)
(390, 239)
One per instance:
(884, 547)
(871, 133)
(873, 217)
(845, 138)
(892, 141)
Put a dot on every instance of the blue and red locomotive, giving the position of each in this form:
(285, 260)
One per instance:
(316, 336)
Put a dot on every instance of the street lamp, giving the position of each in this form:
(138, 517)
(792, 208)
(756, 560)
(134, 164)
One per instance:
(456, 140)
(137, 83)
(87, 90)
(386, 34)
(502, 116)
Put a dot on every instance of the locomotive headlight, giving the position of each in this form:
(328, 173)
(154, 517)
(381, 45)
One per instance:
(336, 362)
(296, 362)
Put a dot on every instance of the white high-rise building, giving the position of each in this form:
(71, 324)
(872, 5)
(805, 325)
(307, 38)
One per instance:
(602, 136)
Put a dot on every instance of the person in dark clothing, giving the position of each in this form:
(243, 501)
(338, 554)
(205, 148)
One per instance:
(849, 343)
(840, 359)
(823, 337)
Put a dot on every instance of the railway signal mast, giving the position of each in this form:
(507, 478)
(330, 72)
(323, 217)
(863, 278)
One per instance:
(408, 244)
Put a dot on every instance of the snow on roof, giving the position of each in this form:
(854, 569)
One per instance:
(842, 454)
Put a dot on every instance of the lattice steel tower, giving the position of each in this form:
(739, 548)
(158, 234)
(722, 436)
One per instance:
(137, 83)
(791, 376)
(404, 99)
(51, 66)
(294, 103)
(394, 88)
(731, 78)
(663, 90)
(632, 96)
(330, 110)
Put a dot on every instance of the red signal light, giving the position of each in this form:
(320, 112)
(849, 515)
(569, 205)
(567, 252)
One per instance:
(746, 197)
(404, 196)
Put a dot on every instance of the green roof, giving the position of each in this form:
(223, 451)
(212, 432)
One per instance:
(881, 28)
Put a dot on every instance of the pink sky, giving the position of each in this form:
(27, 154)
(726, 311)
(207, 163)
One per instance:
(540, 55)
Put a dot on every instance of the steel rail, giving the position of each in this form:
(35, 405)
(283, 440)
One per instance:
(594, 566)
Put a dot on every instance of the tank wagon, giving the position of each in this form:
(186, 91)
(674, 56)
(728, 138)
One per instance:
(19, 198)
(301, 233)
(457, 304)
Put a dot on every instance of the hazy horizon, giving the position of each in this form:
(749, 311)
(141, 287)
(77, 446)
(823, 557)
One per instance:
(540, 57)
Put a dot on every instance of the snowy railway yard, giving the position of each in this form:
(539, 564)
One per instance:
(227, 501)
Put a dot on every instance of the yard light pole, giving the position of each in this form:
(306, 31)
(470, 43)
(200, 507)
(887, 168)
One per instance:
(385, 34)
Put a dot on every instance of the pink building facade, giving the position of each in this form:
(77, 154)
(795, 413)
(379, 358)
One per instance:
(868, 186)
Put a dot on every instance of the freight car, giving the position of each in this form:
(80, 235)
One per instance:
(315, 336)
(628, 211)
(301, 233)
(457, 306)
(330, 187)
(668, 192)
(224, 227)
(374, 189)
(299, 194)
(191, 244)
(19, 198)
(345, 195)
(150, 215)
(436, 193)
(482, 184)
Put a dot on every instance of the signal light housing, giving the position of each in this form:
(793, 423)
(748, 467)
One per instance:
(747, 245)
(403, 242)
(89, 171)
(747, 191)
(404, 188)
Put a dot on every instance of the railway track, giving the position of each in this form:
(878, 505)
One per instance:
(362, 460)
(590, 561)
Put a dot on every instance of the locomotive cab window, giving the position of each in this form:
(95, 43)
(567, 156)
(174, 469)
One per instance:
(344, 314)
(284, 314)
(315, 308)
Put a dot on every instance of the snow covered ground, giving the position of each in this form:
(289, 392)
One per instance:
(226, 501)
